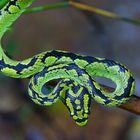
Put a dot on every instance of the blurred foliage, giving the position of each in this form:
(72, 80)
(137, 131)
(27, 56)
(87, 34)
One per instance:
(2, 3)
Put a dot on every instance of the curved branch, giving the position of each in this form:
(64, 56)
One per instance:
(133, 105)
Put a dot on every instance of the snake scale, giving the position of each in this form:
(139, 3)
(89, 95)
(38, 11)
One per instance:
(75, 73)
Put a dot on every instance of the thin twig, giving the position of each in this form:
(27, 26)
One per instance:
(48, 7)
(83, 6)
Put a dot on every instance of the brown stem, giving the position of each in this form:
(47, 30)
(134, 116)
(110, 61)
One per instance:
(133, 105)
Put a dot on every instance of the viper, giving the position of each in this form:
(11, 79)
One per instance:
(76, 86)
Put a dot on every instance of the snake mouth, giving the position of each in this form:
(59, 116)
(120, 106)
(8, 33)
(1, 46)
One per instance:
(81, 122)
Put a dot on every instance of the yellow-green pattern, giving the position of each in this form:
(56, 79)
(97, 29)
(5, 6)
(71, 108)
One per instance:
(74, 73)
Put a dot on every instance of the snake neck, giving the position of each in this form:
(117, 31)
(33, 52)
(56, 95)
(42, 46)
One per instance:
(8, 14)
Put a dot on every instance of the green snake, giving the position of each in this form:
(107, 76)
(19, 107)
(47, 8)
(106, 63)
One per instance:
(75, 73)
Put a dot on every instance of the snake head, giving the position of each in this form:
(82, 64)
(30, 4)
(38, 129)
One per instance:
(78, 102)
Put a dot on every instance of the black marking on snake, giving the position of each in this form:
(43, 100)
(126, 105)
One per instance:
(89, 59)
(107, 101)
(69, 67)
(81, 120)
(75, 89)
(9, 4)
(33, 92)
(126, 90)
(98, 93)
(44, 57)
(111, 63)
(45, 99)
(19, 67)
(79, 97)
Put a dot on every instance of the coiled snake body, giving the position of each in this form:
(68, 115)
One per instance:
(76, 86)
